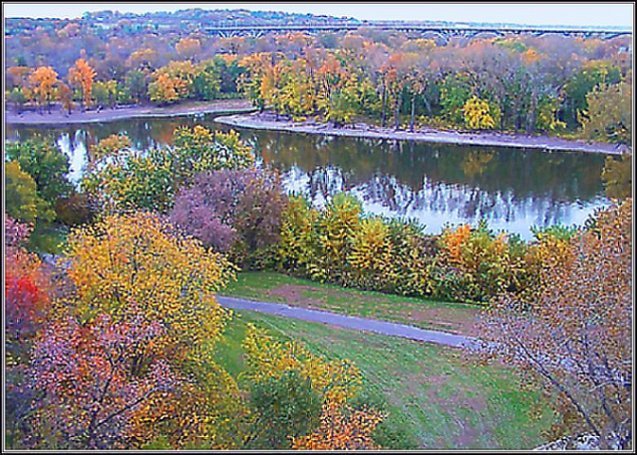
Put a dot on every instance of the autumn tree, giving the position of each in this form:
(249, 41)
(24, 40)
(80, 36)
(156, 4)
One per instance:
(65, 94)
(342, 429)
(609, 114)
(480, 114)
(81, 76)
(188, 48)
(86, 376)
(237, 211)
(43, 80)
(126, 358)
(27, 292)
(574, 335)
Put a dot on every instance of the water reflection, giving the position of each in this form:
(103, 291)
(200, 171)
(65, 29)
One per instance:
(436, 184)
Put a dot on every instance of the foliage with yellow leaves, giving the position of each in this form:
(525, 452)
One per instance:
(342, 429)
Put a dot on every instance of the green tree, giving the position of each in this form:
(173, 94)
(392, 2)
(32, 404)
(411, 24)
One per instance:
(131, 181)
(21, 197)
(137, 85)
(207, 82)
(285, 408)
(592, 74)
(455, 91)
(198, 149)
(46, 164)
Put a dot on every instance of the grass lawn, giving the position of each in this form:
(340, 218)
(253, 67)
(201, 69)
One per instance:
(435, 397)
(427, 314)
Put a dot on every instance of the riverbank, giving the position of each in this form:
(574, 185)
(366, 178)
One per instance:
(267, 121)
(59, 117)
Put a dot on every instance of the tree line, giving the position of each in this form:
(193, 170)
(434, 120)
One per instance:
(552, 84)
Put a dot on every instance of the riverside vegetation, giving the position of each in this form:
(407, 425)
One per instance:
(202, 205)
(554, 85)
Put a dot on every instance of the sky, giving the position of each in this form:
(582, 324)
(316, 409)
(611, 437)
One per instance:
(572, 14)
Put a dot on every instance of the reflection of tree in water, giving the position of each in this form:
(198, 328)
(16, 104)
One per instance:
(470, 184)
(403, 178)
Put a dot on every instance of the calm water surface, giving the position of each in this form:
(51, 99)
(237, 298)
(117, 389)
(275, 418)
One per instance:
(512, 189)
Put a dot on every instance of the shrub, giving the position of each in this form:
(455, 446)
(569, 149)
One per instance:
(412, 259)
(238, 210)
(21, 196)
(46, 164)
(286, 407)
(336, 228)
(478, 261)
(371, 255)
(299, 238)
(74, 209)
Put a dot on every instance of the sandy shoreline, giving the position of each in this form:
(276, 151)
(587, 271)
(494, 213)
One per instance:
(58, 117)
(484, 138)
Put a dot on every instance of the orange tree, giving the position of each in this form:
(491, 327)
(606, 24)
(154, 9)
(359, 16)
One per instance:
(81, 75)
(42, 80)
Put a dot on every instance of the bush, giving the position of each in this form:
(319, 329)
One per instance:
(336, 228)
(298, 244)
(21, 196)
(234, 211)
(285, 407)
(46, 164)
(479, 261)
(74, 209)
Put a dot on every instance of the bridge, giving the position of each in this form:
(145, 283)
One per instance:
(228, 29)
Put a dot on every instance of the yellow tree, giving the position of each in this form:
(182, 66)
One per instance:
(81, 75)
(43, 80)
(480, 115)
(163, 90)
(127, 261)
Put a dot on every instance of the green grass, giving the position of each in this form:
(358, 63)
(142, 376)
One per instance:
(435, 397)
(428, 314)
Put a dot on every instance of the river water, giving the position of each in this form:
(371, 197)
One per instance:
(512, 189)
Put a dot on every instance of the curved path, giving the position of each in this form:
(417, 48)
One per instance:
(352, 322)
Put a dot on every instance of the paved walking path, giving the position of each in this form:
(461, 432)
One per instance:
(352, 322)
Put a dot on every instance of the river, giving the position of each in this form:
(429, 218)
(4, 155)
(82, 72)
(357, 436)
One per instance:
(512, 189)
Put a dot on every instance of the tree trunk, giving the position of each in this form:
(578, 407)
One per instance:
(413, 113)
(427, 105)
(397, 112)
(383, 116)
